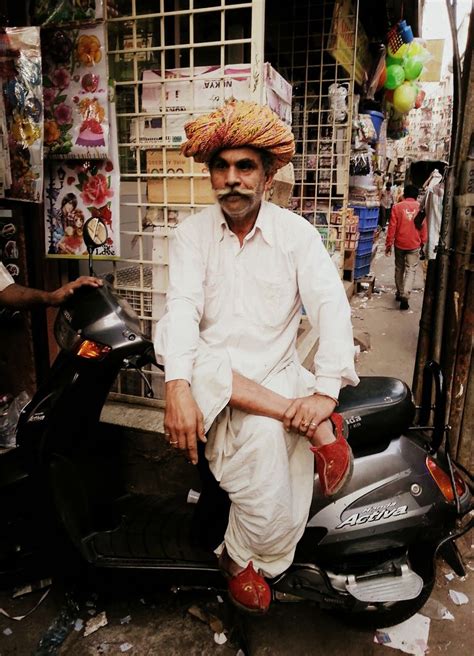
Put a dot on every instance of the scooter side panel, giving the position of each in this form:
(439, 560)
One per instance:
(390, 500)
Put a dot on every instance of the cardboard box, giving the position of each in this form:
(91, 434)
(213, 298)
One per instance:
(282, 187)
(178, 186)
(177, 95)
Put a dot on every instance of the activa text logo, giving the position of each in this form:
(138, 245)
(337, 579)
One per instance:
(378, 515)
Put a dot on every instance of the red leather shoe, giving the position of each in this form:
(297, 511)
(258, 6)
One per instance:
(249, 591)
(334, 462)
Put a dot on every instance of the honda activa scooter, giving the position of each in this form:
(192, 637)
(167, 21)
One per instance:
(369, 553)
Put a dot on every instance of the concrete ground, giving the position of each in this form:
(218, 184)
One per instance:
(148, 619)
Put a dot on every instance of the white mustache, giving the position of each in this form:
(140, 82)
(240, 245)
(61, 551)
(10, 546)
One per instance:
(223, 193)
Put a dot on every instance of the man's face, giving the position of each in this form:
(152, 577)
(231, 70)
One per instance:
(239, 182)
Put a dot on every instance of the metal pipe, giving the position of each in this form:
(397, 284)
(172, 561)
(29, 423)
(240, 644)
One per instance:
(446, 232)
(425, 333)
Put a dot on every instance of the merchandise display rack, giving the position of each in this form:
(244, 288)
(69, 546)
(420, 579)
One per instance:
(322, 130)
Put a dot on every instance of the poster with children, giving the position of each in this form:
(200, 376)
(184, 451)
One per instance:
(75, 191)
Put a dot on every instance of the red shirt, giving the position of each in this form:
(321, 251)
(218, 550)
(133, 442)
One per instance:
(402, 230)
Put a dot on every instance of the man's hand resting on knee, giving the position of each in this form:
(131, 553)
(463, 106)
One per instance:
(305, 414)
(184, 422)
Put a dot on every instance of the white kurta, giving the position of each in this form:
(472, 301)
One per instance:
(239, 308)
(5, 278)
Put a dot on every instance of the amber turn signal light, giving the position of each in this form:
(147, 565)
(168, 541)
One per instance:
(92, 350)
(443, 480)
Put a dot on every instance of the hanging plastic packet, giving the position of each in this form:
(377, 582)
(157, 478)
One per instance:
(9, 420)
(20, 72)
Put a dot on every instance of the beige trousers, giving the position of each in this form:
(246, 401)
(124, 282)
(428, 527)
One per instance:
(405, 270)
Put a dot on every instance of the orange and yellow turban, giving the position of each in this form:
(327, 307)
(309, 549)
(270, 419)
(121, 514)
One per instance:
(237, 124)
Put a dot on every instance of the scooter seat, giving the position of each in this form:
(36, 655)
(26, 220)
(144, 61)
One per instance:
(378, 410)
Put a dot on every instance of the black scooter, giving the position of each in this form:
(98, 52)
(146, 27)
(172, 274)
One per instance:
(370, 553)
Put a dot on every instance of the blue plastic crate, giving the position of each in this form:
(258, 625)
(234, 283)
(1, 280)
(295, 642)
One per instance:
(362, 260)
(361, 271)
(368, 217)
(365, 243)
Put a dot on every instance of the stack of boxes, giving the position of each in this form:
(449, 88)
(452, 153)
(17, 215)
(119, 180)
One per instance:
(368, 219)
(347, 237)
(351, 223)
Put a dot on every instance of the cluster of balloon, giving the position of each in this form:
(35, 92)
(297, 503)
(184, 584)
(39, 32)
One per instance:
(404, 64)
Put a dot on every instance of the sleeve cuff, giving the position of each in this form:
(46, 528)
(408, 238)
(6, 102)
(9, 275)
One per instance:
(178, 371)
(327, 386)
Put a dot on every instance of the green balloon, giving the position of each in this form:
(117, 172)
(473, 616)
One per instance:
(412, 67)
(390, 60)
(395, 76)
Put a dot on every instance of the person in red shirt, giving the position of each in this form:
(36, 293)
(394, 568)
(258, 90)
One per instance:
(408, 240)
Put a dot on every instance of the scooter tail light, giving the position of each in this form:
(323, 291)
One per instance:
(92, 350)
(443, 480)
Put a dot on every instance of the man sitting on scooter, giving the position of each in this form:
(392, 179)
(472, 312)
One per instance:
(239, 274)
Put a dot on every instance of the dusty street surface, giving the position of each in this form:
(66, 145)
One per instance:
(149, 617)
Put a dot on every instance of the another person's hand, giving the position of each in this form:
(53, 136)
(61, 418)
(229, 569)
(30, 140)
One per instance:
(66, 291)
(388, 250)
(184, 421)
(306, 413)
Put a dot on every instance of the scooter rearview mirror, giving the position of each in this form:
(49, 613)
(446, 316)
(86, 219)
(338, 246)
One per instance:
(95, 236)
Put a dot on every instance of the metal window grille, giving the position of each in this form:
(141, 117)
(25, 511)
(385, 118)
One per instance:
(168, 59)
(301, 37)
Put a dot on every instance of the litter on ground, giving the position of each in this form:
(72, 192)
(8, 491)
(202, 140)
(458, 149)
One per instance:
(96, 623)
(411, 636)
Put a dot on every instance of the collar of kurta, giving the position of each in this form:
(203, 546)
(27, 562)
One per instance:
(263, 223)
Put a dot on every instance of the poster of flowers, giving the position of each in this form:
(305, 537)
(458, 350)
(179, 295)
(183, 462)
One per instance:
(20, 79)
(75, 82)
(75, 191)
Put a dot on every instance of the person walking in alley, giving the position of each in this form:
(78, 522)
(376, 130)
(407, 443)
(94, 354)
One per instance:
(239, 273)
(386, 202)
(408, 240)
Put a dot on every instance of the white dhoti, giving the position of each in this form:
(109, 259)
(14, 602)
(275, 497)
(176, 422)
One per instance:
(267, 472)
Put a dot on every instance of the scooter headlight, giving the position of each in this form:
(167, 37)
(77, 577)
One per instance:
(443, 480)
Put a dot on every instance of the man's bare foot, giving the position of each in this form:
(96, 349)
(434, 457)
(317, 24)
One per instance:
(324, 434)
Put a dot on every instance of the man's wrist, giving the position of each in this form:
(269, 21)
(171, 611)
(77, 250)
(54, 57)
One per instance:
(328, 396)
(177, 383)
